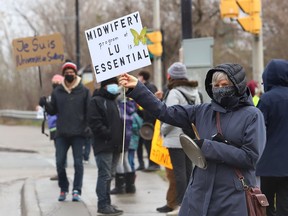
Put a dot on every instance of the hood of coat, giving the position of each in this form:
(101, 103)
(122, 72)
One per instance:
(275, 74)
(235, 73)
(76, 83)
(189, 88)
(237, 76)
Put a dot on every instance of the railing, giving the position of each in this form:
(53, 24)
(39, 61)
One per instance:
(21, 114)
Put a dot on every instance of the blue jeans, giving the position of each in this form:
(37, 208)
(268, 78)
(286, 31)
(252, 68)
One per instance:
(106, 163)
(62, 146)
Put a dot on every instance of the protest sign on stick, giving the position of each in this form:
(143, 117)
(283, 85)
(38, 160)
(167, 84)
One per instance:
(38, 50)
(118, 47)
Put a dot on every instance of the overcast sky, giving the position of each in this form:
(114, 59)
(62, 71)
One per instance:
(14, 24)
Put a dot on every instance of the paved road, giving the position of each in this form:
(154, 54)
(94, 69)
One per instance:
(27, 162)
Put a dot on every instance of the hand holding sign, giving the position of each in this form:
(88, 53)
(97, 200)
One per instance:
(127, 81)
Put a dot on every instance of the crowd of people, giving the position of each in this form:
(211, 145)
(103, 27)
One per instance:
(241, 129)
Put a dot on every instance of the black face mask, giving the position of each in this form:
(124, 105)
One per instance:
(69, 78)
(225, 96)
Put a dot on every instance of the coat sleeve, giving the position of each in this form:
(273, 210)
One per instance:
(177, 115)
(51, 106)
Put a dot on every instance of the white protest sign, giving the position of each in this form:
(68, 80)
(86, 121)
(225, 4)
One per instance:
(118, 47)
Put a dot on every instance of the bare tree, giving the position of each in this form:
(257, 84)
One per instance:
(231, 43)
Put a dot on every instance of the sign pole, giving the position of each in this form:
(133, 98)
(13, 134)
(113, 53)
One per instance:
(40, 77)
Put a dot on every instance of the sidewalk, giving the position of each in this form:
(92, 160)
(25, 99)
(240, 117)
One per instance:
(30, 162)
(150, 194)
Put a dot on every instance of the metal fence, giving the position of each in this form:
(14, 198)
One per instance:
(21, 114)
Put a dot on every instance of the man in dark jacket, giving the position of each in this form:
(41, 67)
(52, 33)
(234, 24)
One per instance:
(106, 125)
(272, 167)
(70, 102)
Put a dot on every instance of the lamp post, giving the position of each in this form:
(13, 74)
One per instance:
(77, 34)
(157, 69)
(186, 14)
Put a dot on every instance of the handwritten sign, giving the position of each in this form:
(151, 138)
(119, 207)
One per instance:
(38, 50)
(159, 154)
(118, 46)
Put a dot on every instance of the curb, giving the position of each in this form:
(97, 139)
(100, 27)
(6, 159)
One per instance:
(29, 201)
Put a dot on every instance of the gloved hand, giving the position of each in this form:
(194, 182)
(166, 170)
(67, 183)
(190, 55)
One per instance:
(199, 142)
(219, 138)
(43, 101)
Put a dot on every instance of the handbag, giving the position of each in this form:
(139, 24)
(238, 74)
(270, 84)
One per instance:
(256, 201)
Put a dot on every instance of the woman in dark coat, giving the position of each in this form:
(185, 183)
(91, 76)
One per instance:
(215, 190)
(272, 166)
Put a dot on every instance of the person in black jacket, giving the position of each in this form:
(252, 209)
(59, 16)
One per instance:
(70, 102)
(272, 166)
(107, 128)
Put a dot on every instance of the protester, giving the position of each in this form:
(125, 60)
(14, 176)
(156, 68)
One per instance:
(171, 199)
(144, 77)
(255, 91)
(51, 119)
(171, 194)
(107, 129)
(272, 167)
(137, 123)
(180, 89)
(69, 102)
(215, 190)
(125, 177)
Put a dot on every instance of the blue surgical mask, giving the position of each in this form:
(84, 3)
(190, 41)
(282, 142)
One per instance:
(113, 88)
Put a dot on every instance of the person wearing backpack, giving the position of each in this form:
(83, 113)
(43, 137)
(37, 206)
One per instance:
(180, 91)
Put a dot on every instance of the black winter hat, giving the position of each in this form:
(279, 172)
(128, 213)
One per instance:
(113, 80)
(235, 73)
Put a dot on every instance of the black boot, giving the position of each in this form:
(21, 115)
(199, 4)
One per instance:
(119, 184)
(130, 182)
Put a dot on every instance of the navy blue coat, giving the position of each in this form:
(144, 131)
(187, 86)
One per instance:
(274, 105)
(216, 190)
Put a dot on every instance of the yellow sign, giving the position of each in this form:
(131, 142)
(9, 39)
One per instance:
(159, 154)
(38, 50)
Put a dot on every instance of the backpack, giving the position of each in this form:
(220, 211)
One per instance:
(190, 101)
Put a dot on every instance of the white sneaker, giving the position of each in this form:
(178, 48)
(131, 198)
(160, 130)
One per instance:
(175, 212)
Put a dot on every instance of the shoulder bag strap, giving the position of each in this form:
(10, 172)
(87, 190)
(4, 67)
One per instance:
(237, 171)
